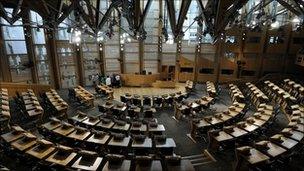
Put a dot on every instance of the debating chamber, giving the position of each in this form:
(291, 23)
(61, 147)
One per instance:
(152, 85)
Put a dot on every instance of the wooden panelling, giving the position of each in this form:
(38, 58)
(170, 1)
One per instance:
(17, 87)
(139, 80)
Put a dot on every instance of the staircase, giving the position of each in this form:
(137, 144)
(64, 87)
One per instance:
(200, 159)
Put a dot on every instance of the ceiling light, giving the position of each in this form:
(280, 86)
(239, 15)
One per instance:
(275, 24)
(295, 20)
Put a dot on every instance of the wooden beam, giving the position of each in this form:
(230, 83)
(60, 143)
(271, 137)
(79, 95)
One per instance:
(97, 14)
(182, 15)
(45, 7)
(107, 15)
(144, 15)
(18, 7)
(171, 14)
(289, 7)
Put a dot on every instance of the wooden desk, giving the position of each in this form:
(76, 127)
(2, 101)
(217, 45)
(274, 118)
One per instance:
(40, 153)
(142, 128)
(285, 142)
(105, 125)
(237, 132)
(184, 165)
(254, 156)
(169, 143)
(123, 143)
(99, 140)
(92, 166)
(295, 135)
(273, 149)
(79, 136)
(61, 160)
(91, 121)
(125, 165)
(51, 125)
(79, 118)
(24, 143)
(147, 143)
(12, 136)
(62, 131)
(159, 128)
(223, 136)
(155, 165)
(139, 80)
(125, 127)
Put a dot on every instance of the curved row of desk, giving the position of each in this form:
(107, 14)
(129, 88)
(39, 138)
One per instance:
(49, 154)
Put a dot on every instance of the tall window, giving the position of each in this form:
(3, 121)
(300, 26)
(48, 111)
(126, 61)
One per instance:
(131, 52)
(151, 43)
(15, 47)
(39, 45)
(66, 55)
(91, 59)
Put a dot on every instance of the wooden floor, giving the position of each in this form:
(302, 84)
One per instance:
(148, 90)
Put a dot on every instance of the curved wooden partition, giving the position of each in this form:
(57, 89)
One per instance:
(20, 87)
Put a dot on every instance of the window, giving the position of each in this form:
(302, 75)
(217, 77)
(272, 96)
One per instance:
(230, 39)
(206, 71)
(39, 44)
(275, 40)
(15, 47)
(230, 55)
(253, 40)
(186, 69)
(91, 59)
(151, 43)
(227, 72)
(67, 56)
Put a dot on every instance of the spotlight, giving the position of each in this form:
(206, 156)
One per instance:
(275, 24)
(295, 20)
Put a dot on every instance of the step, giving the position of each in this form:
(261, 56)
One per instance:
(200, 164)
(194, 156)
(200, 159)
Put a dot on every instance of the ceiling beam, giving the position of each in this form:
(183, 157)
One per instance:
(230, 15)
(16, 10)
(296, 3)
(97, 13)
(45, 7)
(289, 7)
(59, 7)
(106, 16)
(171, 14)
(144, 15)
(182, 16)
(205, 17)
(66, 12)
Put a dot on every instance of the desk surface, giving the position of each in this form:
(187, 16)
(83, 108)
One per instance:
(155, 165)
(124, 166)
(102, 140)
(123, 143)
(159, 128)
(185, 165)
(23, 145)
(91, 167)
(169, 143)
(81, 136)
(223, 136)
(273, 149)
(255, 156)
(51, 125)
(9, 137)
(61, 161)
(147, 143)
(40, 154)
